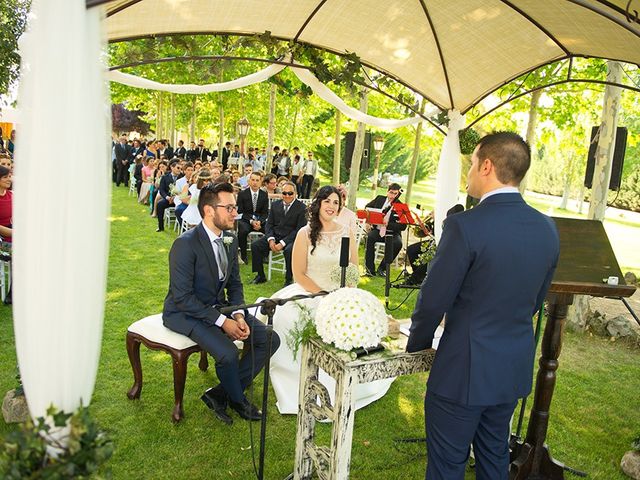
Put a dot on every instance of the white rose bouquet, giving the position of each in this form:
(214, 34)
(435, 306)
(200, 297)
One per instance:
(352, 275)
(351, 318)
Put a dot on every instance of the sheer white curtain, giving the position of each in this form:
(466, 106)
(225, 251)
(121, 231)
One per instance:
(449, 166)
(61, 205)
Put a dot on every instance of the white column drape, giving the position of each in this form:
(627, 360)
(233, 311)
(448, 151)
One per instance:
(304, 75)
(449, 166)
(61, 208)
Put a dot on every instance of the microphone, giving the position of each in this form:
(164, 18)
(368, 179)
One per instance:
(344, 261)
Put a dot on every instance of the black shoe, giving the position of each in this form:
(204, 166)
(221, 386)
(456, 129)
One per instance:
(382, 273)
(259, 279)
(246, 410)
(218, 405)
(159, 229)
(244, 259)
(367, 273)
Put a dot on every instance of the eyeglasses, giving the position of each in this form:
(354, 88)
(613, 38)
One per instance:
(228, 208)
(288, 194)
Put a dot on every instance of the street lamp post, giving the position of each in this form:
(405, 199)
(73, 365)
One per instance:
(243, 127)
(378, 145)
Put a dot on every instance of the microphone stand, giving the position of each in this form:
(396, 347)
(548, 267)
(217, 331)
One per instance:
(268, 308)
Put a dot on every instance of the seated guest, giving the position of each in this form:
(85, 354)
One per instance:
(147, 179)
(6, 204)
(390, 227)
(167, 184)
(181, 200)
(191, 215)
(5, 161)
(159, 172)
(137, 171)
(253, 205)
(270, 185)
(347, 217)
(244, 180)
(286, 217)
(202, 279)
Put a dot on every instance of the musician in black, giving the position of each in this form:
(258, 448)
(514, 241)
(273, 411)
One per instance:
(391, 226)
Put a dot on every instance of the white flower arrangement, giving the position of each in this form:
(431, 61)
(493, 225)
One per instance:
(227, 240)
(351, 318)
(352, 275)
(173, 190)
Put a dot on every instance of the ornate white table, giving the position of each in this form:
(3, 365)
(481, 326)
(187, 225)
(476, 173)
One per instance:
(332, 463)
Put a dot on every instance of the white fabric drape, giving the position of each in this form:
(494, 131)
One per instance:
(61, 205)
(139, 82)
(304, 75)
(448, 176)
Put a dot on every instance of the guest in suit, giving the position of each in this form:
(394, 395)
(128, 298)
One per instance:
(202, 152)
(201, 269)
(490, 274)
(136, 149)
(253, 205)
(122, 151)
(164, 191)
(192, 153)
(378, 232)
(181, 151)
(226, 153)
(165, 149)
(286, 217)
(309, 172)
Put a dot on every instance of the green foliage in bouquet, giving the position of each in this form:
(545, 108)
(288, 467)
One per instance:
(303, 330)
(427, 251)
(24, 455)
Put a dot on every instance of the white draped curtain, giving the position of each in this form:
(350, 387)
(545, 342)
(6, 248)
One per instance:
(61, 208)
(449, 170)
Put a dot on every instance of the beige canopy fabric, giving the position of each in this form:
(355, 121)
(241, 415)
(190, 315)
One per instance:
(454, 53)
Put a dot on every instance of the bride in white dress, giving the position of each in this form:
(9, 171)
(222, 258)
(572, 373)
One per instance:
(316, 252)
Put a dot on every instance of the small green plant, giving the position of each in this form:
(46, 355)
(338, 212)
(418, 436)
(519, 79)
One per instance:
(469, 138)
(427, 251)
(302, 331)
(24, 454)
(635, 444)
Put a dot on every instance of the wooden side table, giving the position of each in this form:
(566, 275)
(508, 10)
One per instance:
(333, 462)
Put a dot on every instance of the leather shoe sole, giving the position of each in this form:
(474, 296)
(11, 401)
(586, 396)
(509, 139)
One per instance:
(258, 280)
(218, 407)
(246, 410)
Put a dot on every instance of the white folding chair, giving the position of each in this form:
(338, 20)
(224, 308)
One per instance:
(276, 263)
(132, 186)
(252, 237)
(379, 254)
(5, 278)
(186, 226)
(360, 230)
(170, 216)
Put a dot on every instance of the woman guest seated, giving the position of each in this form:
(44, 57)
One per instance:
(347, 217)
(191, 215)
(159, 173)
(6, 204)
(147, 180)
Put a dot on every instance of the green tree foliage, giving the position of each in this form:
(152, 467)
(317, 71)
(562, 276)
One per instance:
(13, 21)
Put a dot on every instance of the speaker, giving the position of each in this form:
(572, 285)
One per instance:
(618, 158)
(349, 145)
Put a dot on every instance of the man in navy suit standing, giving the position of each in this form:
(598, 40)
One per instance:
(202, 265)
(491, 272)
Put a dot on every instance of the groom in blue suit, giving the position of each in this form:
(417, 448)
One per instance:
(203, 264)
(491, 272)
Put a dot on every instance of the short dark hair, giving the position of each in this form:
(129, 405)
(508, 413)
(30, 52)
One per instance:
(394, 186)
(187, 164)
(173, 162)
(209, 195)
(509, 153)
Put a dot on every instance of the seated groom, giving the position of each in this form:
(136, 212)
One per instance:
(201, 268)
(378, 232)
(253, 205)
(164, 190)
(286, 217)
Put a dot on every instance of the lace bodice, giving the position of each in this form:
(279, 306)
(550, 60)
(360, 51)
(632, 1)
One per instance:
(325, 258)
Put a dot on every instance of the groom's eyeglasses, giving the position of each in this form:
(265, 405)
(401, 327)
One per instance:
(287, 194)
(228, 208)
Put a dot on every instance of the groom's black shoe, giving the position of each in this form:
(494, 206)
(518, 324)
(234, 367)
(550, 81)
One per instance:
(258, 279)
(217, 403)
(246, 410)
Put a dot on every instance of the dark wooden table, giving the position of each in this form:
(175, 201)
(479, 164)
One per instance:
(586, 261)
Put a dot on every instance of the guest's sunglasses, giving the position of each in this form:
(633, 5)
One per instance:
(287, 194)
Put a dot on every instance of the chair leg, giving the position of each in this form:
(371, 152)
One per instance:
(179, 380)
(203, 364)
(133, 350)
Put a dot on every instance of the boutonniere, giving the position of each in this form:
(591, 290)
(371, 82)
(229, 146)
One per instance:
(227, 241)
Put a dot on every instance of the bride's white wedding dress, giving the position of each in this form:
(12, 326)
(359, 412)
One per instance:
(285, 370)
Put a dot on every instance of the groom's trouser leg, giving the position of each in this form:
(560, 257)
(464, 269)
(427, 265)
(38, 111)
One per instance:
(452, 427)
(254, 361)
(288, 249)
(224, 351)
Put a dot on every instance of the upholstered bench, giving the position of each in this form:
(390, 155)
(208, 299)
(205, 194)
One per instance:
(154, 335)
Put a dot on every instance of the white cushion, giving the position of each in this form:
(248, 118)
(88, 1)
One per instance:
(153, 329)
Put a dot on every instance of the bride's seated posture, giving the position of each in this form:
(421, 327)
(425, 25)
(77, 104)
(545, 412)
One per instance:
(316, 254)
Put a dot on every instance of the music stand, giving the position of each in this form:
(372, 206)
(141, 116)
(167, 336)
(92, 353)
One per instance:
(586, 259)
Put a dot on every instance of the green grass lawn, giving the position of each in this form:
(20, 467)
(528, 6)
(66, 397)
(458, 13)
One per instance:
(594, 414)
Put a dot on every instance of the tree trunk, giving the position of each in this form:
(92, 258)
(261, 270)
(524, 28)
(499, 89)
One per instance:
(173, 120)
(159, 116)
(606, 143)
(272, 126)
(531, 131)
(293, 126)
(220, 120)
(356, 158)
(192, 128)
(336, 149)
(581, 198)
(415, 156)
(567, 186)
